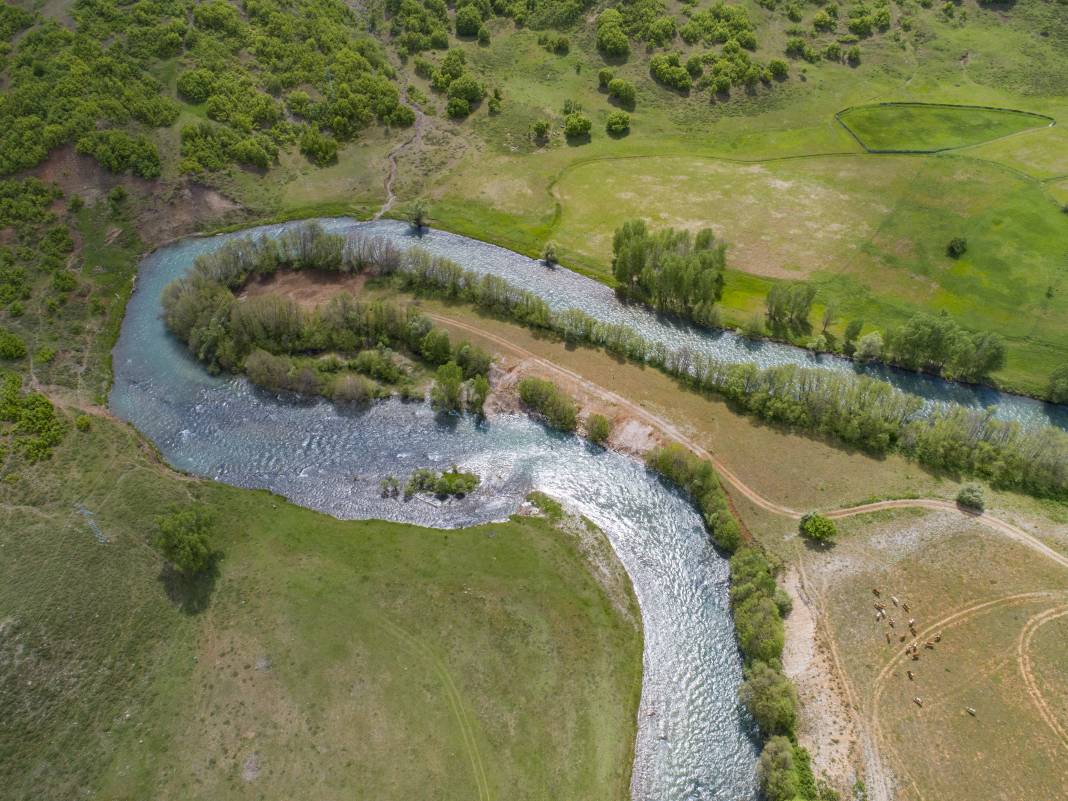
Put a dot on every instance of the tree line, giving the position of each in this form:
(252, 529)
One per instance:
(758, 605)
(855, 409)
(670, 270)
(281, 346)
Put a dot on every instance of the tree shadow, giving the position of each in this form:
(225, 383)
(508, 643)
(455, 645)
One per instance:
(191, 594)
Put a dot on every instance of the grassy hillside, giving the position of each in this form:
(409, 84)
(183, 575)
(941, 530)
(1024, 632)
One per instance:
(324, 657)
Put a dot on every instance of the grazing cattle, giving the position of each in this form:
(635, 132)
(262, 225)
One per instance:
(918, 701)
(894, 599)
(911, 676)
(905, 607)
(929, 644)
(912, 622)
(888, 638)
(875, 592)
(970, 711)
(891, 622)
(916, 657)
(938, 637)
(901, 638)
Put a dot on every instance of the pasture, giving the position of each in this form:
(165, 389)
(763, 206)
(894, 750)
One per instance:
(929, 128)
(324, 657)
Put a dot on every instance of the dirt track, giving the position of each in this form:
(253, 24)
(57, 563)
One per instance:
(739, 486)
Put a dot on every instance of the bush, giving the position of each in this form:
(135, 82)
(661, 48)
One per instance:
(468, 21)
(770, 698)
(353, 389)
(548, 253)
(622, 92)
(184, 540)
(598, 429)
(605, 76)
(82, 422)
(1058, 385)
(957, 247)
(539, 129)
(546, 399)
(448, 384)
(778, 776)
(667, 69)
(11, 346)
(483, 35)
(778, 69)
(817, 527)
(318, 147)
(611, 40)
(618, 123)
(971, 497)
(457, 108)
(577, 125)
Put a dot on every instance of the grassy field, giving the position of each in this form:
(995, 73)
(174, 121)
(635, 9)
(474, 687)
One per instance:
(918, 128)
(324, 657)
(984, 595)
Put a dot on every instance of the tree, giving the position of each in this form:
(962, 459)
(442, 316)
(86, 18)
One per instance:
(598, 429)
(870, 347)
(618, 123)
(957, 247)
(778, 777)
(448, 382)
(818, 528)
(480, 390)
(852, 331)
(318, 147)
(604, 78)
(548, 253)
(468, 21)
(789, 305)
(418, 214)
(436, 347)
(11, 346)
(483, 35)
(971, 497)
(577, 125)
(540, 130)
(779, 69)
(770, 698)
(457, 108)
(1058, 385)
(611, 40)
(829, 312)
(184, 539)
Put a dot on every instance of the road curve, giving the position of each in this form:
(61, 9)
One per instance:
(743, 489)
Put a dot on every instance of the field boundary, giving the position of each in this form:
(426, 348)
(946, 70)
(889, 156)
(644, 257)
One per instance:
(919, 103)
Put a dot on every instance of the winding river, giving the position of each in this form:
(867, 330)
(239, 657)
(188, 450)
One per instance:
(694, 743)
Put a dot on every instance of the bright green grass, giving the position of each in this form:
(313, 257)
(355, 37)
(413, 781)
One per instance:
(894, 127)
(330, 659)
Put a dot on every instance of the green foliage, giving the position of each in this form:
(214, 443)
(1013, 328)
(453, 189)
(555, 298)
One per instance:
(938, 343)
(611, 40)
(452, 482)
(457, 108)
(698, 479)
(778, 776)
(670, 270)
(667, 69)
(770, 698)
(957, 247)
(468, 21)
(618, 123)
(971, 497)
(209, 148)
(605, 77)
(11, 346)
(545, 398)
(448, 384)
(577, 126)
(789, 305)
(478, 393)
(185, 539)
(539, 129)
(119, 152)
(817, 528)
(318, 147)
(418, 214)
(82, 422)
(598, 429)
(29, 425)
(548, 253)
(622, 91)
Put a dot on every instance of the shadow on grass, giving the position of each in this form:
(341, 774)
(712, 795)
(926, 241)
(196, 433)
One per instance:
(191, 594)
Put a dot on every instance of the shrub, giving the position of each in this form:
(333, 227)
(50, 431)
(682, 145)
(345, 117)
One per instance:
(605, 76)
(611, 40)
(196, 85)
(577, 125)
(476, 397)
(957, 247)
(82, 422)
(468, 21)
(598, 429)
(1058, 385)
(539, 129)
(869, 347)
(971, 497)
(352, 389)
(622, 92)
(468, 88)
(448, 384)
(817, 527)
(667, 69)
(548, 253)
(318, 147)
(184, 539)
(11, 346)
(483, 35)
(778, 69)
(770, 698)
(618, 123)
(546, 399)
(457, 108)
(778, 776)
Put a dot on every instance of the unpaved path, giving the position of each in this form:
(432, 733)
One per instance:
(672, 432)
(415, 139)
(1023, 659)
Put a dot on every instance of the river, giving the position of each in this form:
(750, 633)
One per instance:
(694, 742)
